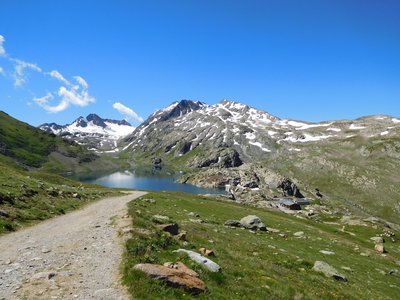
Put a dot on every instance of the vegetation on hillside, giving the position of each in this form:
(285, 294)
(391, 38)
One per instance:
(29, 197)
(258, 265)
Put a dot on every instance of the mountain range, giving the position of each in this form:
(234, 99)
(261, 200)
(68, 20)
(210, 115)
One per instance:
(100, 135)
(350, 164)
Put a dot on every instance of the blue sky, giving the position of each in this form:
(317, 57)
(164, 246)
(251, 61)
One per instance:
(310, 60)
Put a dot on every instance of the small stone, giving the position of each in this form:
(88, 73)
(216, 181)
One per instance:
(160, 218)
(326, 252)
(45, 250)
(393, 272)
(232, 223)
(199, 221)
(181, 236)
(299, 234)
(194, 214)
(377, 239)
(380, 248)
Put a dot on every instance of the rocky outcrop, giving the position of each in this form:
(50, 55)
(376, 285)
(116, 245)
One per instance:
(178, 276)
(289, 188)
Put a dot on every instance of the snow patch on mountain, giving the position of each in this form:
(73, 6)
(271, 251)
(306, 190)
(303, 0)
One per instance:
(93, 131)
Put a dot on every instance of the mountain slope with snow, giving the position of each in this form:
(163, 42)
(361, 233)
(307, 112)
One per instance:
(351, 162)
(93, 131)
(185, 126)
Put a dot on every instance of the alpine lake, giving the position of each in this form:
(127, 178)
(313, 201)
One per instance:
(145, 181)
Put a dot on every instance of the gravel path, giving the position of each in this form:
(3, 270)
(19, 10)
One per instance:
(74, 256)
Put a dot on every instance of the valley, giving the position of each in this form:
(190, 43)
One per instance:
(247, 162)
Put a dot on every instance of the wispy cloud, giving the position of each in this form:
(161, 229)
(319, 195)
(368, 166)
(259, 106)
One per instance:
(19, 71)
(2, 50)
(57, 75)
(127, 112)
(70, 92)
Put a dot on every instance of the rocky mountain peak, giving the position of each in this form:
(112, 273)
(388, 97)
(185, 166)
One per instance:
(96, 120)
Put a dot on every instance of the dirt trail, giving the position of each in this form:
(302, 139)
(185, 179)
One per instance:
(74, 256)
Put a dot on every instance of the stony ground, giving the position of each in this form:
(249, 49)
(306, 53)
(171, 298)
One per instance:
(75, 256)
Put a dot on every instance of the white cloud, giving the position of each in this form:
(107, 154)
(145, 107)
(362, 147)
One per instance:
(72, 95)
(2, 50)
(73, 92)
(82, 82)
(127, 112)
(19, 71)
(57, 75)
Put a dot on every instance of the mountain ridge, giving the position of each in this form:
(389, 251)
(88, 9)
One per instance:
(96, 133)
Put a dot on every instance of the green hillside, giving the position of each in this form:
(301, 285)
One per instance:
(277, 264)
(29, 147)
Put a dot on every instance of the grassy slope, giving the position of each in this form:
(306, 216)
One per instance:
(28, 197)
(258, 265)
(348, 178)
(32, 147)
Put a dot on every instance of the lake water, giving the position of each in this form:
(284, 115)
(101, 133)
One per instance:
(130, 180)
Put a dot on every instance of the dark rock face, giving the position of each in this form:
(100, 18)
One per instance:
(227, 158)
(184, 147)
(231, 159)
(81, 122)
(289, 188)
(183, 107)
(96, 120)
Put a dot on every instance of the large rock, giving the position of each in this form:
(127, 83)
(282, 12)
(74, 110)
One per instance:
(170, 228)
(377, 239)
(290, 189)
(178, 277)
(253, 222)
(200, 259)
(328, 271)
(380, 248)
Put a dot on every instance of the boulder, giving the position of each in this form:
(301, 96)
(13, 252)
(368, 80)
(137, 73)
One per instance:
(170, 228)
(178, 277)
(233, 223)
(380, 248)
(200, 259)
(194, 214)
(181, 267)
(328, 271)
(253, 222)
(377, 239)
